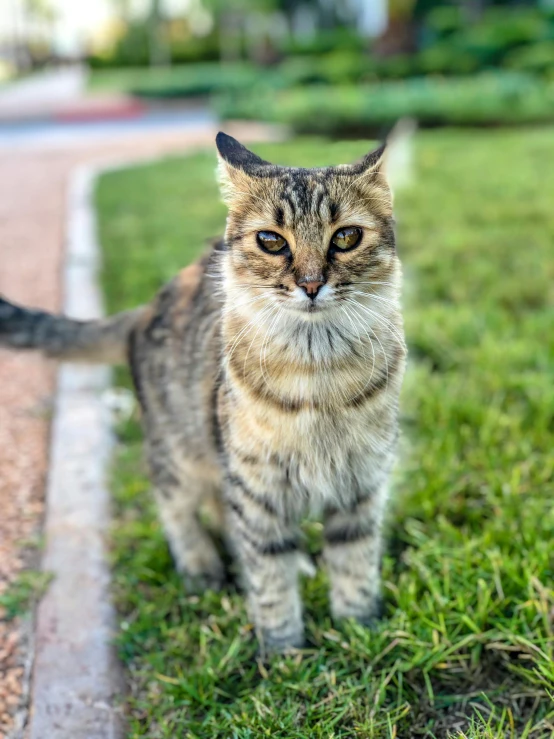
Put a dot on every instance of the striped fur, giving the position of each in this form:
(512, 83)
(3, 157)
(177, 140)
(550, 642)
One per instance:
(267, 405)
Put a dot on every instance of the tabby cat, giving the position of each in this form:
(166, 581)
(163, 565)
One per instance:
(268, 374)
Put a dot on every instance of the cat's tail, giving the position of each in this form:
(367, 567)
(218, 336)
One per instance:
(101, 341)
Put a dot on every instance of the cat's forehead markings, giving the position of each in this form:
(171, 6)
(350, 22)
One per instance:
(334, 212)
(279, 216)
(303, 194)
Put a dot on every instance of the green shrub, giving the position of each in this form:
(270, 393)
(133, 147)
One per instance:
(444, 58)
(451, 45)
(442, 22)
(133, 50)
(195, 80)
(342, 67)
(324, 42)
(519, 39)
(195, 50)
(489, 99)
(297, 70)
(499, 32)
(535, 58)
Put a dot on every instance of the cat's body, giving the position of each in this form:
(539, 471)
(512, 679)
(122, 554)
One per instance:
(269, 382)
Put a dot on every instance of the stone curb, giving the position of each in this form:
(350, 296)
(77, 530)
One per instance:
(77, 679)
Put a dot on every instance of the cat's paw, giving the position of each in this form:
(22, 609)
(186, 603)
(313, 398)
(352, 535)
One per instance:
(277, 642)
(204, 573)
(198, 583)
(366, 611)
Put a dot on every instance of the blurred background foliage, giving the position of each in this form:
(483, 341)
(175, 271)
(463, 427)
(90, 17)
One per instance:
(318, 66)
(333, 67)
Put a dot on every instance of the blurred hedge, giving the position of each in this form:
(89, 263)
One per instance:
(196, 80)
(447, 43)
(486, 100)
(494, 71)
(133, 50)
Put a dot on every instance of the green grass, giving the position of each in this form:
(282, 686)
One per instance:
(466, 646)
(180, 81)
(24, 592)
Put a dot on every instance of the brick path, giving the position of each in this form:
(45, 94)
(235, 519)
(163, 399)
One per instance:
(33, 188)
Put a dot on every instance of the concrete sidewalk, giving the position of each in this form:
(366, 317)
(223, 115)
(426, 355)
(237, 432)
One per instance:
(54, 110)
(42, 93)
(58, 96)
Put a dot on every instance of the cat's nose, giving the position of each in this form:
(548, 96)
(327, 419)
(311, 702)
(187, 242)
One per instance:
(310, 287)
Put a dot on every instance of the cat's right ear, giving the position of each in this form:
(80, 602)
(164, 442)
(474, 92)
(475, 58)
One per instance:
(236, 167)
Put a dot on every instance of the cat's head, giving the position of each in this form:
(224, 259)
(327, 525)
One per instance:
(307, 240)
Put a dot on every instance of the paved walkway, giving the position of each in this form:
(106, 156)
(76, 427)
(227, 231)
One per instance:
(33, 190)
(43, 134)
(42, 93)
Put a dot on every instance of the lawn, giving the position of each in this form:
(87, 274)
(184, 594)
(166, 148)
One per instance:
(179, 81)
(466, 645)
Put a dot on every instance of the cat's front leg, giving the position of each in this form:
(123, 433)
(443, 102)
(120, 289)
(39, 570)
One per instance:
(267, 549)
(352, 554)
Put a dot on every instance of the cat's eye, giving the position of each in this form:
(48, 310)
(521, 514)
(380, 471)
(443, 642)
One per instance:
(346, 238)
(271, 241)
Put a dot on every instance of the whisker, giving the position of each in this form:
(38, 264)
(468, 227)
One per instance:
(230, 308)
(373, 355)
(375, 282)
(359, 388)
(245, 328)
(391, 327)
(265, 342)
(271, 308)
(357, 305)
(251, 284)
(388, 301)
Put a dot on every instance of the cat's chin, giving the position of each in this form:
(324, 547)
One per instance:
(309, 311)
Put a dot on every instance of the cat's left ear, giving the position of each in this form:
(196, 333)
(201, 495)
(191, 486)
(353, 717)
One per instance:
(236, 168)
(372, 164)
(371, 174)
(391, 164)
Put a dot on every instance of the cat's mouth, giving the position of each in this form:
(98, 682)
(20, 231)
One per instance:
(314, 308)
(309, 308)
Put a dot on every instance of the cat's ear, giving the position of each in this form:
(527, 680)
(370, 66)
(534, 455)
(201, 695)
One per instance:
(237, 156)
(372, 164)
(371, 174)
(236, 167)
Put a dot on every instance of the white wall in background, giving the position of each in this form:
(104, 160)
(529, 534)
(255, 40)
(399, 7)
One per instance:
(372, 16)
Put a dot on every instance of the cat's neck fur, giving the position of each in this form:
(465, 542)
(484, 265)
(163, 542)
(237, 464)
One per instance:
(321, 360)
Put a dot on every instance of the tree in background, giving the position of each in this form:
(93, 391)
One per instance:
(159, 48)
(399, 36)
(144, 35)
(41, 12)
(41, 17)
(241, 25)
(258, 27)
(123, 9)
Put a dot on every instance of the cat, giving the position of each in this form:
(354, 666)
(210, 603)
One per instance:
(268, 374)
